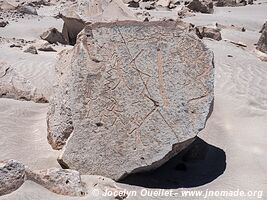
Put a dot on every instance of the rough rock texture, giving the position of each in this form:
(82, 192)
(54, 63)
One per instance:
(60, 181)
(12, 175)
(12, 85)
(53, 36)
(262, 43)
(134, 94)
(203, 6)
(208, 32)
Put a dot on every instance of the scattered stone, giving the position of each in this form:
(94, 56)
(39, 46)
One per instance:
(15, 45)
(213, 33)
(185, 12)
(225, 3)
(262, 43)
(203, 6)
(60, 181)
(113, 101)
(53, 36)
(14, 86)
(3, 24)
(239, 44)
(47, 48)
(12, 176)
(31, 49)
(230, 56)
(243, 29)
(133, 4)
(26, 9)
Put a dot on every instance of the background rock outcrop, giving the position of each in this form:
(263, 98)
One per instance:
(15, 86)
(262, 43)
(130, 95)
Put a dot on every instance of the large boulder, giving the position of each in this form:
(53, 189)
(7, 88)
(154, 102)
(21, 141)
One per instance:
(130, 95)
(60, 181)
(12, 176)
(53, 36)
(203, 6)
(15, 86)
(262, 43)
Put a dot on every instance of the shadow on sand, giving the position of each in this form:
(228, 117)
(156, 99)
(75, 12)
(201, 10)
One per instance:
(198, 164)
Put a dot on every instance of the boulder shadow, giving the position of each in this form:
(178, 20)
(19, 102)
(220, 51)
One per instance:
(198, 164)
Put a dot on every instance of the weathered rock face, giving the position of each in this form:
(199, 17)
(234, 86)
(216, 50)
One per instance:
(60, 181)
(12, 175)
(53, 36)
(203, 6)
(213, 33)
(262, 43)
(131, 94)
(12, 85)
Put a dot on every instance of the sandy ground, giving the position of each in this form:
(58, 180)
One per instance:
(235, 134)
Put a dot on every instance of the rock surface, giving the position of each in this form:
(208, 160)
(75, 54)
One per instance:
(133, 93)
(60, 181)
(203, 6)
(12, 85)
(53, 36)
(262, 43)
(12, 176)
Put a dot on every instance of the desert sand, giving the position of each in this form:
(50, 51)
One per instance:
(235, 133)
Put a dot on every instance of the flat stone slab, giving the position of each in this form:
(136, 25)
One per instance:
(130, 95)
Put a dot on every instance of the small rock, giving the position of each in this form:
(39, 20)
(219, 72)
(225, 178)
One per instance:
(15, 45)
(223, 3)
(12, 175)
(243, 29)
(46, 47)
(208, 32)
(3, 23)
(60, 181)
(133, 4)
(31, 50)
(53, 36)
(203, 6)
(26, 9)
